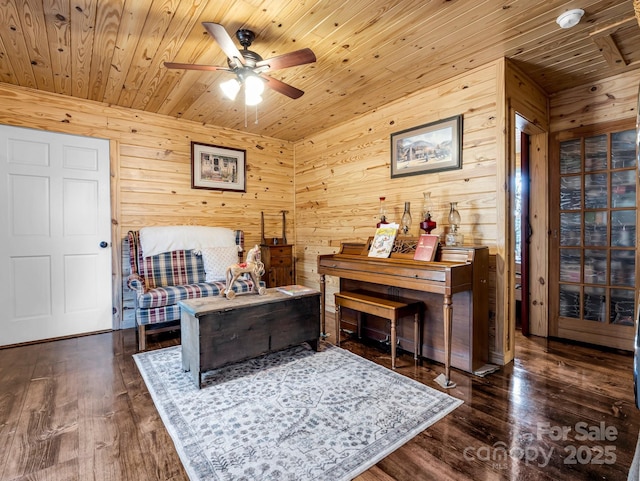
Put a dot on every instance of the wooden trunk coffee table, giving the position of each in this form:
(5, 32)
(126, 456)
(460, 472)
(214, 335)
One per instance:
(216, 331)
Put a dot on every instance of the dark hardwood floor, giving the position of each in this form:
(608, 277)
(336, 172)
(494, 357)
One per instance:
(77, 409)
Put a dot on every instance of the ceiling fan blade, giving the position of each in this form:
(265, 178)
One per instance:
(291, 59)
(221, 36)
(191, 66)
(283, 88)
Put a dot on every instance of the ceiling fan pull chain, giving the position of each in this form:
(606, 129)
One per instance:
(245, 116)
(256, 122)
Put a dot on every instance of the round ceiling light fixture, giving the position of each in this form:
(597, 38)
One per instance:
(570, 18)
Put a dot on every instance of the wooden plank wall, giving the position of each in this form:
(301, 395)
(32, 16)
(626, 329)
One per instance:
(151, 167)
(340, 173)
(615, 98)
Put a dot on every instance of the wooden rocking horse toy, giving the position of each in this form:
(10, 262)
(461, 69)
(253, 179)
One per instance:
(252, 266)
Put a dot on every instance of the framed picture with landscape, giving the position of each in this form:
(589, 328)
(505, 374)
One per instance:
(218, 168)
(432, 147)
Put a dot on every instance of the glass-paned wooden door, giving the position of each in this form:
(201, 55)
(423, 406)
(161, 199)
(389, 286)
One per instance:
(593, 243)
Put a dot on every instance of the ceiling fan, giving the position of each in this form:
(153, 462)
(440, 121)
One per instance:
(249, 67)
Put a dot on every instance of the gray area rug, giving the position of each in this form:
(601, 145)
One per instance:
(291, 415)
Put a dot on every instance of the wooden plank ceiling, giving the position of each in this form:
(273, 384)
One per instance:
(369, 52)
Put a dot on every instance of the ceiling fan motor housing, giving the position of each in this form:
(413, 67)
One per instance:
(246, 38)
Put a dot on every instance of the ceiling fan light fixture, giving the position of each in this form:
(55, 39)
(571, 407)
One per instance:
(254, 85)
(251, 99)
(253, 89)
(570, 18)
(230, 88)
(249, 67)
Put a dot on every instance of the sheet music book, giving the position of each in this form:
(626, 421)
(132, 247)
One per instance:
(383, 239)
(427, 247)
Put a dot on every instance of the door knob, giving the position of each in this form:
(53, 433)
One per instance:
(104, 244)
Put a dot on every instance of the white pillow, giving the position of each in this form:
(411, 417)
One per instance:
(216, 260)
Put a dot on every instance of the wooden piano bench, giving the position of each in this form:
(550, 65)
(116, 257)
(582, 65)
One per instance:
(370, 303)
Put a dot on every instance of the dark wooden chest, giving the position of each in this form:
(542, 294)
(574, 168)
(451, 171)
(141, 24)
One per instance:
(219, 331)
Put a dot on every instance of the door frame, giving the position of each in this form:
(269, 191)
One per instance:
(538, 220)
(116, 236)
(525, 231)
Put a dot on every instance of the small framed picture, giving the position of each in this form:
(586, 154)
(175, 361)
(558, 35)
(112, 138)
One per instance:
(427, 148)
(218, 168)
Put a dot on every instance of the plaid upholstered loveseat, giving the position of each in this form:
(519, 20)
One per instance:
(163, 279)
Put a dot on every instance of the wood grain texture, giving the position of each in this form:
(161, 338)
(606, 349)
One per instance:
(538, 245)
(342, 172)
(614, 98)
(609, 49)
(108, 20)
(218, 332)
(336, 175)
(83, 26)
(78, 409)
(526, 100)
(152, 178)
(151, 165)
(370, 52)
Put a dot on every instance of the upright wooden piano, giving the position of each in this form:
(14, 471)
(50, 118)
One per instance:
(453, 288)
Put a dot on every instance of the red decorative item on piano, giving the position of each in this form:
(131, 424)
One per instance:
(428, 224)
(426, 248)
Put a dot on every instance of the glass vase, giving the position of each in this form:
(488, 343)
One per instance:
(428, 224)
(382, 213)
(453, 237)
(405, 222)
(454, 215)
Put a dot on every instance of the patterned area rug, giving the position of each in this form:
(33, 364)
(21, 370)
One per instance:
(291, 415)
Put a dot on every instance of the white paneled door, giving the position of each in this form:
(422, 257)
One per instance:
(55, 242)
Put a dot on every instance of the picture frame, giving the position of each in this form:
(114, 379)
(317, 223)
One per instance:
(432, 147)
(215, 167)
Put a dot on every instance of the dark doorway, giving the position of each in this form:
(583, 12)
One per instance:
(523, 235)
